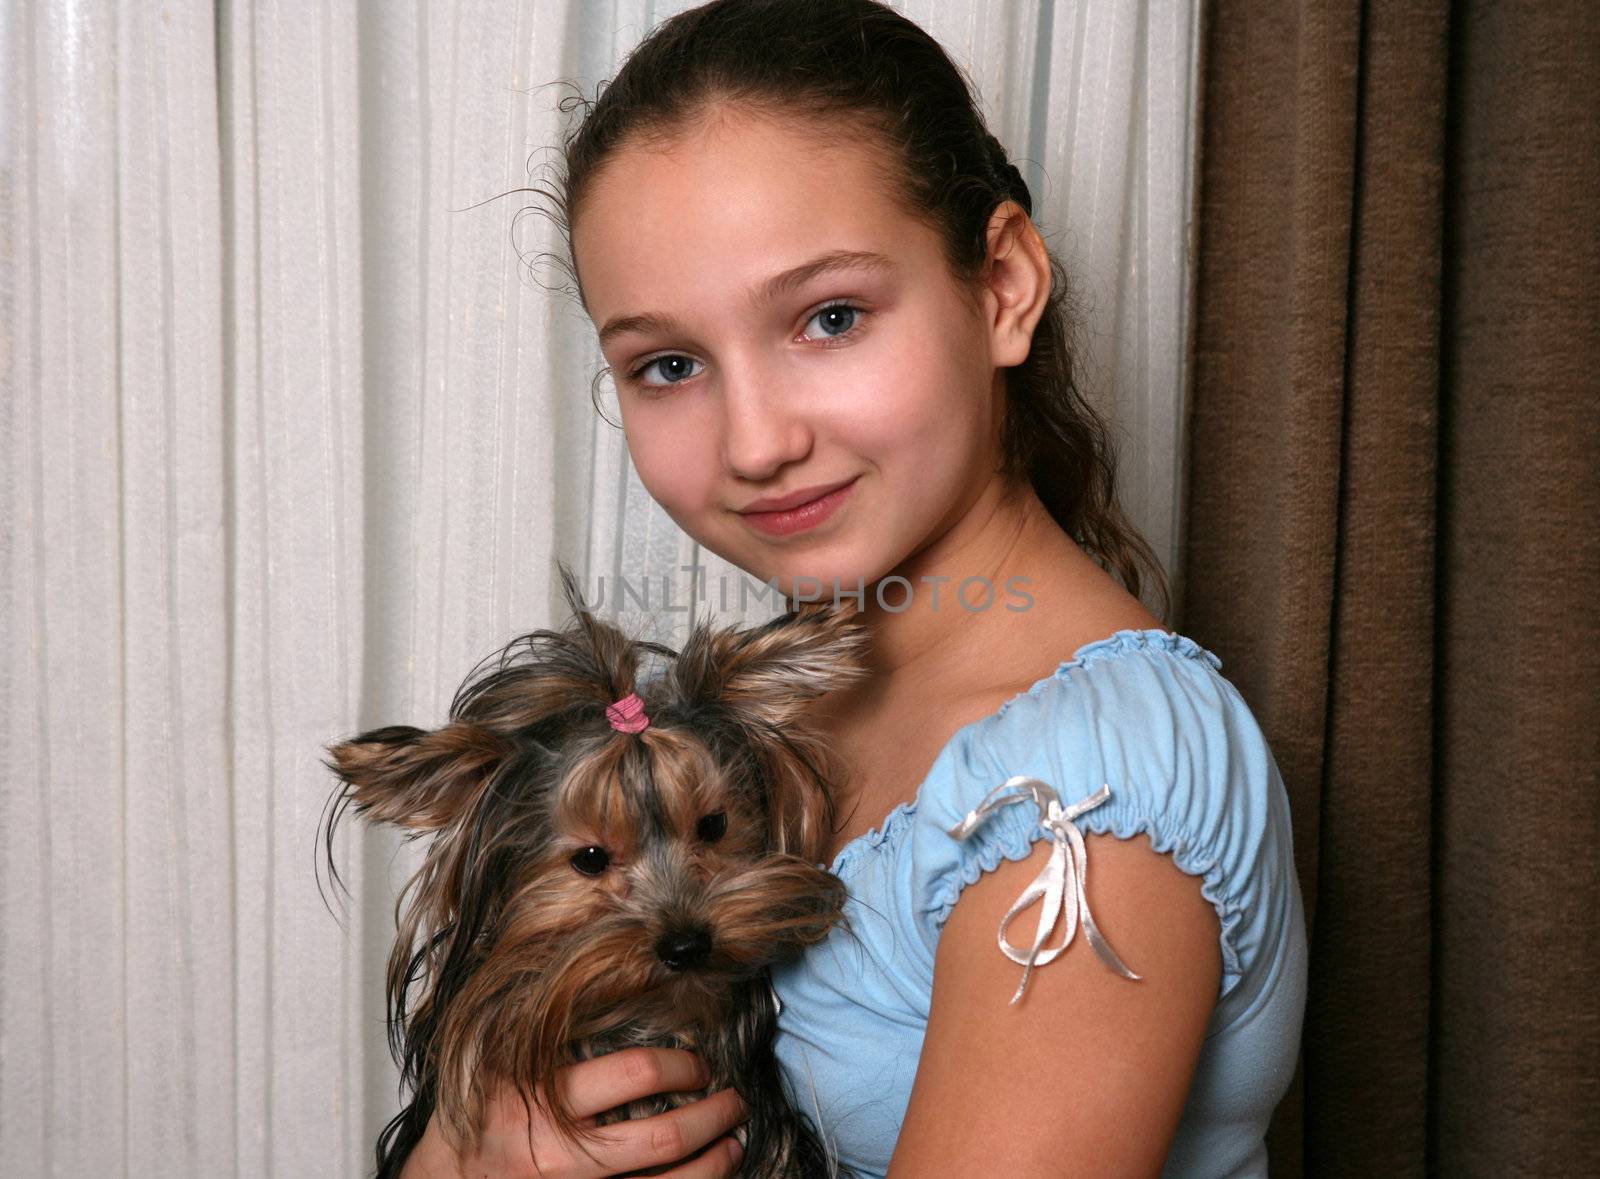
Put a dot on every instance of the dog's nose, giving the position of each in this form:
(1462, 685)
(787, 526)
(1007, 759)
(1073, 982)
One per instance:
(685, 949)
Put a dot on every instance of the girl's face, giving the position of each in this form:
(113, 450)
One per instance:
(775, 324)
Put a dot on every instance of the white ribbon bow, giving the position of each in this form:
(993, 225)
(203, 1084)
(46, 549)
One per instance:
(1060, 882)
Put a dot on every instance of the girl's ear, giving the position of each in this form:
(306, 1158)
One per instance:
(415, 778)
(1017, 283)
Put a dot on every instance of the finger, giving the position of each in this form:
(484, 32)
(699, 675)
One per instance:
(669, 1137)
(718, 1161)
(605, 1082)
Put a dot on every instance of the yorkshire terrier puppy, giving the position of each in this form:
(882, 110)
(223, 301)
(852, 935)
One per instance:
(613, 862)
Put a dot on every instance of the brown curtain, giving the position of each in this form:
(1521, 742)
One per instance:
(1394, 545)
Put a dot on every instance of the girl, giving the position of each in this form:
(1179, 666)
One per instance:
(841, 353)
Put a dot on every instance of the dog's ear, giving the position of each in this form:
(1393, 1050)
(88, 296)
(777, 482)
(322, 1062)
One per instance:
(771, 671)
(416, 778)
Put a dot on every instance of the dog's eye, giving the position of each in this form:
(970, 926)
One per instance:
(591, 861)
(712, 826)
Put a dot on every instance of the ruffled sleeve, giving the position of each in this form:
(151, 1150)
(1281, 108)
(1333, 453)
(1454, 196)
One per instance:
(1149, 717)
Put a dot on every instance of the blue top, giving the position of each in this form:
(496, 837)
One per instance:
(1147, 713)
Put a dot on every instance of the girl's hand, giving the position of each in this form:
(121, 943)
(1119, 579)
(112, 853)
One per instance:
(591, 1087)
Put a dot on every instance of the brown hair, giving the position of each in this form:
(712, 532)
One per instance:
(807, 59)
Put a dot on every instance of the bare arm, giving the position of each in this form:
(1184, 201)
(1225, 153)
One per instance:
(1088, 1073)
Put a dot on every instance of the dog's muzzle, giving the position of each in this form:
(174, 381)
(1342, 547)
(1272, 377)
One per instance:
(685, 949)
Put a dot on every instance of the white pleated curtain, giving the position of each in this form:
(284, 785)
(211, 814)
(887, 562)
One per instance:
(289, 439)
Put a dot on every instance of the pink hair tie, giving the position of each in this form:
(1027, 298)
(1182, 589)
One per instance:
(627, 715)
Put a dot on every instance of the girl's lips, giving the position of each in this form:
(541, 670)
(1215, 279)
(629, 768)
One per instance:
(804, 516)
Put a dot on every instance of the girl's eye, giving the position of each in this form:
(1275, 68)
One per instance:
(836, 321)
(591, 861)
(712, 826)
(675, 365)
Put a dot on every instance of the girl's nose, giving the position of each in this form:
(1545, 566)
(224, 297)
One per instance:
(762, 427)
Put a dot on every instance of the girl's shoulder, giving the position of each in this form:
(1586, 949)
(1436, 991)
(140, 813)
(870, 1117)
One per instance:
(1135, 733)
